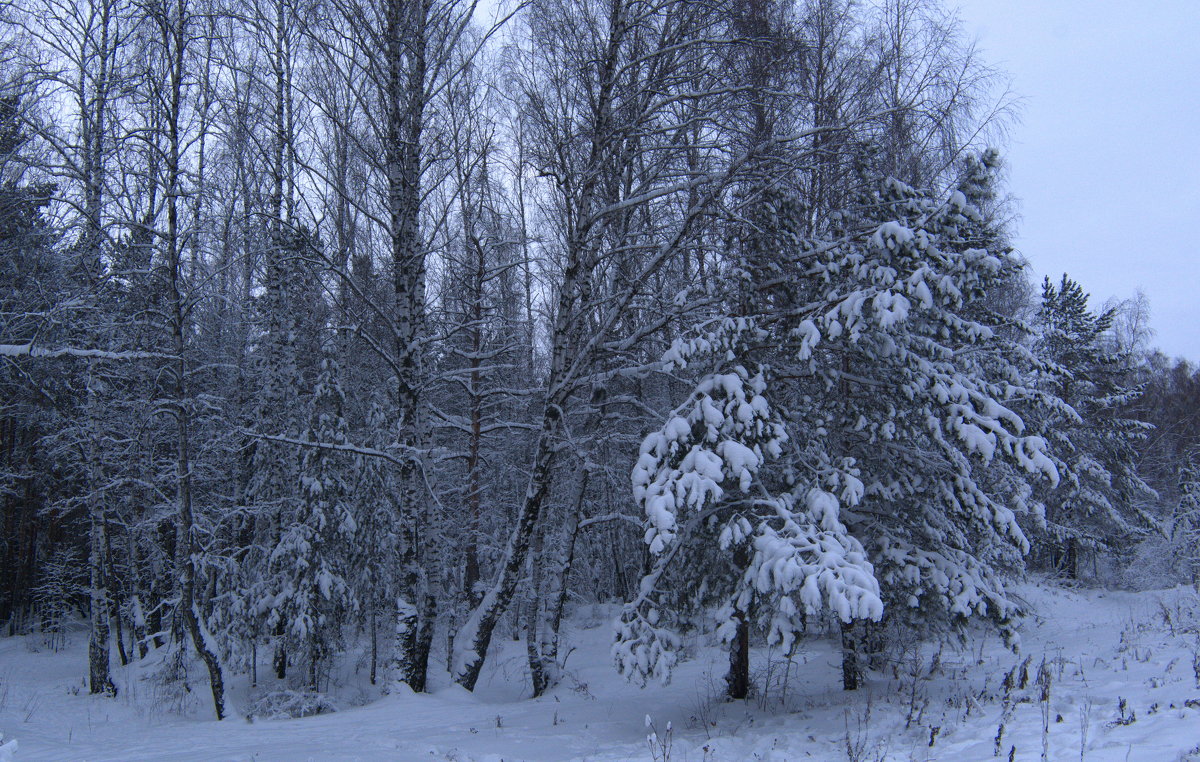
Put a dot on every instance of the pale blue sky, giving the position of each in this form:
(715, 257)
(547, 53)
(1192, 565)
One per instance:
(1106, 158)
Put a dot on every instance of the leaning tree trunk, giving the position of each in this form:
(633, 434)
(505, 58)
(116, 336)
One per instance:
(473, 639)
(545, 608)
(175, 37)
(538, 674)
(187, 547)
(564, 565)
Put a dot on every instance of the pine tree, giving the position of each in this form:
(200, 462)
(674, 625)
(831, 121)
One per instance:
(1100, 503)
(372, 575)
(308, 566)
(701, 475)
(1187, 515)
(890, 382)
(34, 279)
(915, 381)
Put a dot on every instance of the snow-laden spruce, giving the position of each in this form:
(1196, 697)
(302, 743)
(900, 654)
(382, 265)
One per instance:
(1103, 499)
(891, 464)
(1187, 516)
(701, 469)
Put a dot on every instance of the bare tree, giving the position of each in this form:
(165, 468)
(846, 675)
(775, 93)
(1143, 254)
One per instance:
(175, 29)
(609, 101)
(401, 56)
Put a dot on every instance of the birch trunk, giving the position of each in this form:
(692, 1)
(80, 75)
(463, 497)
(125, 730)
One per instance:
(472, 641)
(405, 103)
(175, 36)
(100, 680)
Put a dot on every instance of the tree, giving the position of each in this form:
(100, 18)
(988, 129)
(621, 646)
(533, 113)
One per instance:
(320, 318)
(311, 557)
(1102, 502)
(397, 57)
(891, 385)
(1187, 515)
(790, 547)
(607, 91)
(34, 280)
(172, 34)
(82, 57)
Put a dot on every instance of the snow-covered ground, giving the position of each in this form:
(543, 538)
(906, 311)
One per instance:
(1123, 683)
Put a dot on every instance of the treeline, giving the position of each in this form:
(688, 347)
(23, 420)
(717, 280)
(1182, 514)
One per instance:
(341, 324)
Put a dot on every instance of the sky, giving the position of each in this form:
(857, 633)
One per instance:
(1105, 160)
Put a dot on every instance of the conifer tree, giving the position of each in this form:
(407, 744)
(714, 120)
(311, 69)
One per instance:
(1187, 515)
(1101, 501)
(890, 383)
(34, 278)
(310, 560)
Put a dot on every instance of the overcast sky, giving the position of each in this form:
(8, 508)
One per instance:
(1106, 158)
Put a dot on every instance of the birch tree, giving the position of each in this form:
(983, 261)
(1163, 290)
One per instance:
(607, 93)
(402, 55)
(174, 31)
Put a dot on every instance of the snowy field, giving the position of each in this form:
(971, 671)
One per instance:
(1122, 671)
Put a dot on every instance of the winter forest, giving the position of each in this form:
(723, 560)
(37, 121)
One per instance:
(355, 350)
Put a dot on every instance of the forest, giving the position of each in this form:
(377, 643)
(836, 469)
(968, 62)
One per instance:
(395, 329)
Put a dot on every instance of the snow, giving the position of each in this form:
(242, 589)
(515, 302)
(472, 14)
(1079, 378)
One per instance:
(1099, 647)
(714, 439)
(891, 235)
(28, 350)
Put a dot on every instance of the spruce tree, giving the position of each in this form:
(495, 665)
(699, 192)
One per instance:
(866, 415)
(1101, 502)
(1187, 515)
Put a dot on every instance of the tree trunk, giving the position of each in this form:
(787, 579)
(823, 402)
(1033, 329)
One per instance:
(475, 636)
(403, 662)
(115, 607)
(279, 661)
(156, 625)
(737, 680)
(851, 669)
(100, 680)
(137, 626)
(424, 643)
(405, 103)
(538, 676)
(175, 39)
(98, 638)
(558, 601)
(119, 635)
(374, 646)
